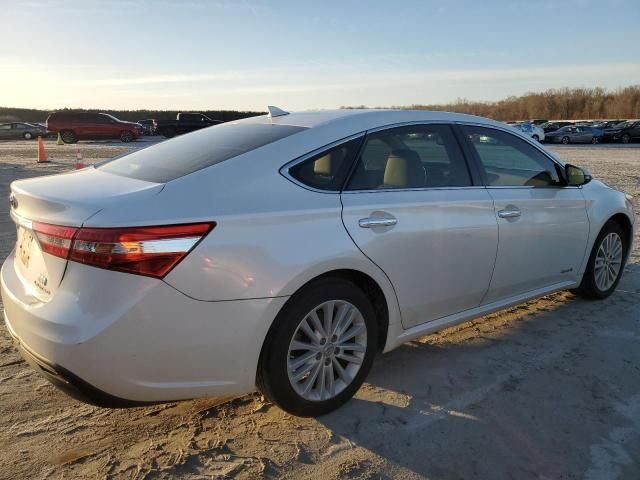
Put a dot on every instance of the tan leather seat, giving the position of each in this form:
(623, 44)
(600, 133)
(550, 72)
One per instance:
(404, 170)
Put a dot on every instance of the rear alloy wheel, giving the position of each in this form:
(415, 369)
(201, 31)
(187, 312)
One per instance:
(606, 262)
(126, 136)
(625, 138)
(594, 140)
(320, 348)
(28, 135)
(68, 136)
(565, 140)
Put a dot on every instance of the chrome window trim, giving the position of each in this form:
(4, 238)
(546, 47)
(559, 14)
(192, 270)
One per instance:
(425, 189)
(284, 170)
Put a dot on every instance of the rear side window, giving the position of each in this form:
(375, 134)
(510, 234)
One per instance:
(327, 170)
(421, 156)
(180, 156)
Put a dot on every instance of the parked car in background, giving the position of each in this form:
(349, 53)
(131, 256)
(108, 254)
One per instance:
(184, 123)
(623, 132)
(608, 124)
(150, 126)
(552, 126)
(21, 130)
(534, 131)
(537, 121)
(92, 126)
(575, 134)
(181, 270)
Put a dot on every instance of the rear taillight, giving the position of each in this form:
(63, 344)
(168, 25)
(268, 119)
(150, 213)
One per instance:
(54, 239)
(150, 251)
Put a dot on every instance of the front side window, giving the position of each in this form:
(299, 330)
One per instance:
(510, 161)
(421, 156)
(327, 170)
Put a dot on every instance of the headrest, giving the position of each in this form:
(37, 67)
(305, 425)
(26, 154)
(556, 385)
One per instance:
(404, 170)
(327, 164)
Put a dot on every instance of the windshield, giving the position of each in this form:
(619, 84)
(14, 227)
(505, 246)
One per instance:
(180, 156)
(110, 116)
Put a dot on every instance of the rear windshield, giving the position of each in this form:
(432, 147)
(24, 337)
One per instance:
(180, 156)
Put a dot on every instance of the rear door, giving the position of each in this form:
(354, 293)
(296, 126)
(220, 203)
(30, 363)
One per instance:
(543, 225)
(412, 207)
(584, 134)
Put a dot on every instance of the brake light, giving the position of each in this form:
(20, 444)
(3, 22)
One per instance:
(54, 239)
(150, 251)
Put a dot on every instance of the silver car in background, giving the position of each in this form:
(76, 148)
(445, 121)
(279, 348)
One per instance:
(23, 130)
(284, 251)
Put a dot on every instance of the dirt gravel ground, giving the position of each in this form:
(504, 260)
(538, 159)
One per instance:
(549, 389)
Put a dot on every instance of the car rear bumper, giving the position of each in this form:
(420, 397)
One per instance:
(70, 383)
(114, 339)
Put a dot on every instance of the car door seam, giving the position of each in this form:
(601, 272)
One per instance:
(371, 260)
(495, 259)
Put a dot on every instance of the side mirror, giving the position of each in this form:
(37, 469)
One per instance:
(576, 176)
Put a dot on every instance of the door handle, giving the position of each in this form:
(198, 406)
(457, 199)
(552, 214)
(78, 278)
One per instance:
(371, 222)
(509, 213)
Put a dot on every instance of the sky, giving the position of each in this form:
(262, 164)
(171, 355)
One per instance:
(301, 55)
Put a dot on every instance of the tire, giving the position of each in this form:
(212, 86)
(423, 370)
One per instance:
(565, 140)
(591, 287)
(594, 140)
(536, 138)
(126, 136)
(626, 138)
(328, 358)
(168, 132)
(28, 135)
(68, 136)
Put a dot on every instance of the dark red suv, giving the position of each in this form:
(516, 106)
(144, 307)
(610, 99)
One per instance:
(91, 126)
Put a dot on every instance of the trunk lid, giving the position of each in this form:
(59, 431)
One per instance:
(65, 200)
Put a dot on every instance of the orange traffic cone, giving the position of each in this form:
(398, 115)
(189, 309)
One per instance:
(42, 153)
(79, 163)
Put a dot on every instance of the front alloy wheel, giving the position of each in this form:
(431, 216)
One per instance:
(606, 263)
(319, 348)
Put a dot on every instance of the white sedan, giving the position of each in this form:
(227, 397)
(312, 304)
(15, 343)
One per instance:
(284, 251)
(534, 131)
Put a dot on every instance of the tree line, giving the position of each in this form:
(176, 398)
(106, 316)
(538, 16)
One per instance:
(554, 104)
(8, 114)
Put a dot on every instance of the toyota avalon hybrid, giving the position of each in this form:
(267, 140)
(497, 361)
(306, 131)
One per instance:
(284, 251)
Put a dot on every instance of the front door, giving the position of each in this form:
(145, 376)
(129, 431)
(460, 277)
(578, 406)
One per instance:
(412, 208)
(543, 225)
